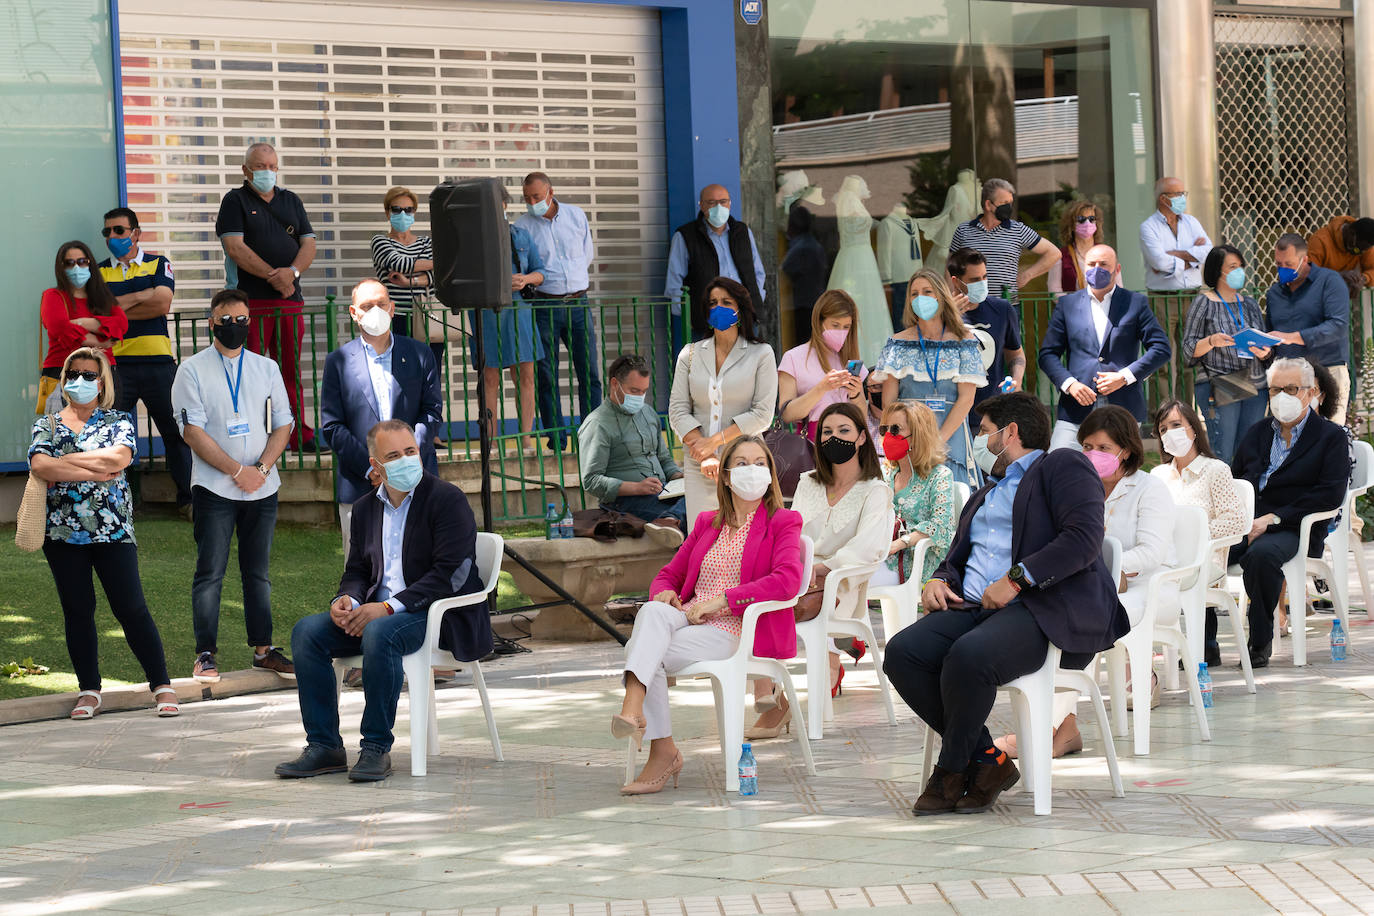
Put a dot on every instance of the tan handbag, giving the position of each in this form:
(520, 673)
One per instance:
(32, 522)
(431, 322)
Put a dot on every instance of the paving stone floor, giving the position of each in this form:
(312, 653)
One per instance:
(130, 813)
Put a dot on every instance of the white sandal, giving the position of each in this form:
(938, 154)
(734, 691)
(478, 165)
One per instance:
(166, 709)
(86, 712)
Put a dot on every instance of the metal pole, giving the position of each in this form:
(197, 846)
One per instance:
(479, 363)
(565, 595)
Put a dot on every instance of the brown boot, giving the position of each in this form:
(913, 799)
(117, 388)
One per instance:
(986, 781)
(942, 793)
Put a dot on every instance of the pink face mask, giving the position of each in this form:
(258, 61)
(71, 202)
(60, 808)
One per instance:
(835, 337)
(1105, 463)
(1085, 230)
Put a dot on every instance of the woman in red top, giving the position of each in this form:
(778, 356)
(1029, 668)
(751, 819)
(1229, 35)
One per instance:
(1080, 228)
(80, 311)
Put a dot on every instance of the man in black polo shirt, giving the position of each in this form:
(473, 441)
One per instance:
(267, 235)
(142, 285)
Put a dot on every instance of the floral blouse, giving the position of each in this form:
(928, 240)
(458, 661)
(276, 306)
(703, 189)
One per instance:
(87, 511)
(951, 360)
(925, 504)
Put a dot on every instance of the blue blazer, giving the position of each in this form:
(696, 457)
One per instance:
(348, 407)
(1312, 478)
(1134, 341)
(438, 560)
(1057, 527)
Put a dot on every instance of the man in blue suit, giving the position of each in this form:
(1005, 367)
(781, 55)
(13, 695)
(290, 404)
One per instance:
(1025, 570)
(374, 377)
(1109, 339)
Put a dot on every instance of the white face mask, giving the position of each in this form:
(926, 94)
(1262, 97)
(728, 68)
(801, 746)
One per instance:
(1285, 407)
(750, 481)
(1177, 441)
(983, 456)
(375, 321)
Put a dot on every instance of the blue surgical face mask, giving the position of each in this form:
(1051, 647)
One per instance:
(1179, 204)
(1288, 274)
(925, 307)
(718, 215)
(264, 180)
(78, 276)
(1235, 278)
(402, 221)
(633, 403)
(120, 245)
(404, 473)
(1098, 277)
(977, 291)
(722, 317)
(539, 207)
(81, 391)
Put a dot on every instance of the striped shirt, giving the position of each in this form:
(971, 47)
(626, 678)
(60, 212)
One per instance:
(1002, 247)
(389, 254)
(146, 340)
(1208, 316)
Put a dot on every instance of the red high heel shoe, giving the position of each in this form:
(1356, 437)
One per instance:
(856, 650)
(836, 689)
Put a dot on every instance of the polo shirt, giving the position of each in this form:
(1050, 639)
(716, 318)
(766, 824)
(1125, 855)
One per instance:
(147, 340)
(1001, 248)
(271, 230)
(993, 322)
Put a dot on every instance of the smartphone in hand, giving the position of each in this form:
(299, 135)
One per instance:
(855, 367)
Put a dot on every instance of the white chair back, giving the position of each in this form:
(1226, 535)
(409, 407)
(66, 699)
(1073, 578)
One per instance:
(1111, 555)
(1246, 491)
(1364, 467)
(490, 548)
(808, 556)
(961, 496)
(1192, 548)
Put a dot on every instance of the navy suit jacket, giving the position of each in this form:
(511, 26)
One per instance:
(438, 560)
(1134, 341)
(348, 407)
(1057, 529)
(1312, 478)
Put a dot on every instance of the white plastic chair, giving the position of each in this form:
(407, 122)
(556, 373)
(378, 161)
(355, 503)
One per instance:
(1337, 572)
(419, 665)
(901, 604)
(1219, 594)
(730, 679)
(1160, 624)
(1032, 698)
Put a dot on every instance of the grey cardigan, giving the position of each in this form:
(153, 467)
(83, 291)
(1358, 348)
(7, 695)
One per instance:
(745, 392)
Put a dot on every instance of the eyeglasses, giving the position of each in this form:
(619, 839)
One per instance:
(76, 262)
(116, 230)
(1293, 390)
(225, 320)
(87, 374)
(884, 430)
(1087, 219)
(402, 209)
(718, 202)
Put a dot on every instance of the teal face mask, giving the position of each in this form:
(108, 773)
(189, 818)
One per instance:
(78, 276)
(717, 216)
(1235, 278)
(402, 221)
(925, 307)
(81, 391)
(633, 403)
(264, 180)
(404, 473)
(1179, 204)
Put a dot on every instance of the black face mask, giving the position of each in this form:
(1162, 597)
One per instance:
(876, 398)
(231, 335)
(837, 450)
(1002, 213)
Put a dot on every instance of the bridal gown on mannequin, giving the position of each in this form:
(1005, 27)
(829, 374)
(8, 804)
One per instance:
(856, 269)
(961, 205)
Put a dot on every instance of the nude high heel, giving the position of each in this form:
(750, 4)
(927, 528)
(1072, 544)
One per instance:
(758, 733)
(655, 785)
(623, 727)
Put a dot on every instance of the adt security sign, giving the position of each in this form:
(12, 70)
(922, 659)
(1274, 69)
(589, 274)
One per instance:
(751, 11)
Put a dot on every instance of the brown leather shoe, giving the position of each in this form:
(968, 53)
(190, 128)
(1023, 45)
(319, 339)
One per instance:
(942, 793)
(1067, 738)
(986, 781)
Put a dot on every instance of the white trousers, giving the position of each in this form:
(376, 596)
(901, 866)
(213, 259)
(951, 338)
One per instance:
(346, 521)
(664, 641)
(1065, 435)
(699, 492)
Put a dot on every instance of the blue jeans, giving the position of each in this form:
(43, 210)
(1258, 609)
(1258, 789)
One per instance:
(1227, 423)
(571, 324)
(215, 520)
(651, 508)
(317, 641)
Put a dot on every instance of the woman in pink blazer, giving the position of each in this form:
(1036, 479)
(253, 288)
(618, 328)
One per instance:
(749, 550)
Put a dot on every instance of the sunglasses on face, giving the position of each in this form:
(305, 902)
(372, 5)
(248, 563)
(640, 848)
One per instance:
(116, 230)
(226, 320)
(884, 430)
(88, 374)
(1293, 390)
(1087, 219)
(76, 262)
(402, 209)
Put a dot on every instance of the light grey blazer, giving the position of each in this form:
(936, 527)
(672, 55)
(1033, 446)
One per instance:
(744, 392)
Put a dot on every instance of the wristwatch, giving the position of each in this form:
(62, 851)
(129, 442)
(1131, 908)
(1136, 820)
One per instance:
(262, 469)
(295, 271)
(1017, 575)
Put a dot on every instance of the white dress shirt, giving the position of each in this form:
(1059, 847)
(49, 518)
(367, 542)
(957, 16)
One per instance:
(1166, 271)
(384, 384)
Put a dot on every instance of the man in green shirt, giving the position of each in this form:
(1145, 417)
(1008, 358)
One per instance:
(624, 459)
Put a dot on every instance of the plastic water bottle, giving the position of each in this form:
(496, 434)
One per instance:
(1338, 641)
(565, 524)
(1204, 682)
(748, 772)
(551, 523)
(1008, 384)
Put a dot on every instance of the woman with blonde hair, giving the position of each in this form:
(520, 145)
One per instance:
(815, 374)
(749, 550)
(936, 361)
(1080, 228)
(922, 491)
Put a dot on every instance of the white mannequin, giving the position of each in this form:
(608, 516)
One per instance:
(899, 246)
(793, 187)
(960, 207)
(856, 268)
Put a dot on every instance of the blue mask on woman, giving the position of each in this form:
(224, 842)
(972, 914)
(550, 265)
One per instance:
(1235, 278)
(81, 391)
(402, 221)
(78, 276)
(120, 245)
(925, 307)
(404, 473)
(722, 317)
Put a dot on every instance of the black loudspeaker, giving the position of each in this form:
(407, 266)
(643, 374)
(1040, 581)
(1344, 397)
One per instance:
(472, 265)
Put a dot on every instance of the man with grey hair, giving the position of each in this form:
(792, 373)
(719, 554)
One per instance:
(1309, 308)
(1298, 463)
(1002, 239)
(1172, 241)
(270, 243)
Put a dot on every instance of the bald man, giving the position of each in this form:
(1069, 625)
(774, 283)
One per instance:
(1101, 343)
(715, 244)
(1172, 241)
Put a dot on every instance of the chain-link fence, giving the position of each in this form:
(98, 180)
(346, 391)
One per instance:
(1283, 146)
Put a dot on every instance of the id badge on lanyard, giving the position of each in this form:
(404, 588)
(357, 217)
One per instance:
(237, 426)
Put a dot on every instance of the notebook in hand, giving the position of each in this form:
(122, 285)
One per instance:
(673, 489)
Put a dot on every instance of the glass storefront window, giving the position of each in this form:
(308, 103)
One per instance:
(925, 99)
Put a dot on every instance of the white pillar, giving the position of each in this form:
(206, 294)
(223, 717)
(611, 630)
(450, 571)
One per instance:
(1363, 100)
(1187, 103)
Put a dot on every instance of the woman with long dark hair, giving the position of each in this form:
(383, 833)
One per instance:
(78, 311)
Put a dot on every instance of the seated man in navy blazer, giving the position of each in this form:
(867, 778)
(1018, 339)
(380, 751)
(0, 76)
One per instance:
(1111, 342)
(414, 542)
(1025, 570)
(376, 376)
(1298, 463)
